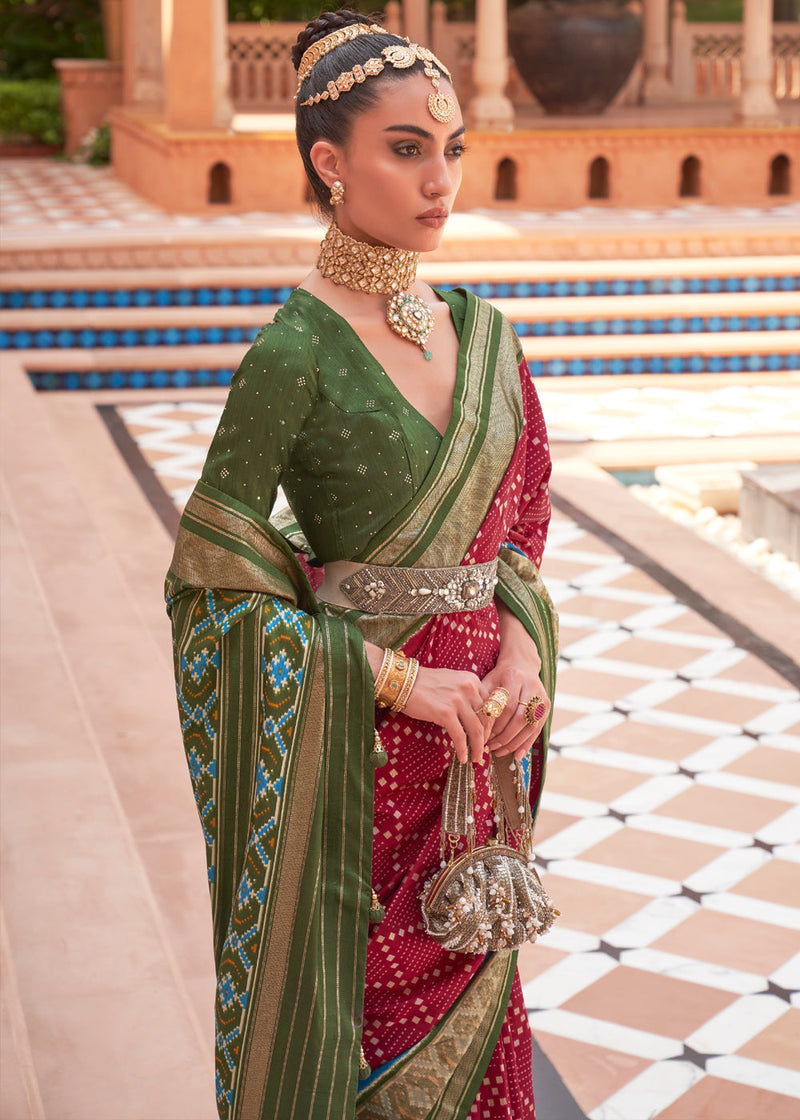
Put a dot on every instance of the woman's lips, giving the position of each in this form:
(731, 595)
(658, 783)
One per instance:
(434, 219)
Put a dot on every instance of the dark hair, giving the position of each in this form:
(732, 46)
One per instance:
(333, 120)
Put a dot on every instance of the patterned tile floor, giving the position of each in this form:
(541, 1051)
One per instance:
(670, 829)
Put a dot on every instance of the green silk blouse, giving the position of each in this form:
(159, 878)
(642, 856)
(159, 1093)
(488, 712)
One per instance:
(317, 415)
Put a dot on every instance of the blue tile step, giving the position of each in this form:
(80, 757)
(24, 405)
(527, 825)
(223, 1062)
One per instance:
(553, 317)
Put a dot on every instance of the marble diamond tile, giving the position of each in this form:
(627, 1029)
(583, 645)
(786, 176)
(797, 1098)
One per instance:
(778, 1043)
(665, 655)
(704, 704)
(724, 808)
(629, 995)
(694, 623)
(601, 685)
(736, 942)
(768, 763)
(649, 852)
(593, 606)
(712, 1099)
(590, 907)
(634, 737)
(778, 880)
(584, 779)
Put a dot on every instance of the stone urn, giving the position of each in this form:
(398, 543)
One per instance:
(574, 55)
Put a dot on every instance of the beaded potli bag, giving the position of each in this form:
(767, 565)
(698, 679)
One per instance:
(489, 898)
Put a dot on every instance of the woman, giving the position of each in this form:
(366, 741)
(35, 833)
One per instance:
(407, 435)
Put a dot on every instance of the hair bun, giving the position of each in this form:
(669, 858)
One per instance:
(324, 24)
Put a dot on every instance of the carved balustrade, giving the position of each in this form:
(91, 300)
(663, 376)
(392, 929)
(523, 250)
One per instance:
(707, 59)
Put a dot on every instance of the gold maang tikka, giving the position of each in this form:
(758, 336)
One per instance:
(441, 106)
(383, 269)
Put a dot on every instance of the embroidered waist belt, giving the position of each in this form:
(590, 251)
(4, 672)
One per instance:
(376, 589)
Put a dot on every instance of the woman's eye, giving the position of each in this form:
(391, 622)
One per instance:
(407, 149)
(457, 151)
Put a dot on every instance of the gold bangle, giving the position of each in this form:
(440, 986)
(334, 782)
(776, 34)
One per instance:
(380, 680)
(394, 679)
(408, 684)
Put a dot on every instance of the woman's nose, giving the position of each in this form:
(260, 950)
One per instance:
(439, 182)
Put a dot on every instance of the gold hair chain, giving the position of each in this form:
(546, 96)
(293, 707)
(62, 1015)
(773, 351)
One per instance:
(441, 106)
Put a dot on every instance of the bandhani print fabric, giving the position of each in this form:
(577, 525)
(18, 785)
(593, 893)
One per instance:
(277, 710)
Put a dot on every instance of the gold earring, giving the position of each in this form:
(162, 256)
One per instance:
(337, 193)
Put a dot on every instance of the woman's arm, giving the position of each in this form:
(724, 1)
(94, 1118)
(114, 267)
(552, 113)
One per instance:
(450, 698)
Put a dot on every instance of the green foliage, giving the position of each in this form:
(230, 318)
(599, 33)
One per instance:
(100, 153)
(714, 11)
(31, 109)
(252, 11)
(34, 32)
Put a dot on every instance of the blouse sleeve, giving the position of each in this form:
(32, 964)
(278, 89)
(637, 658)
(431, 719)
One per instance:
(271, 397)
(529, 533)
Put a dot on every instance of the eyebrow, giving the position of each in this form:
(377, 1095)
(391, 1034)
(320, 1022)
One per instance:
(416, 131)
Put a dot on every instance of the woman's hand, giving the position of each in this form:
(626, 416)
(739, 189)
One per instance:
(453, 699)
(518, 672)
(450, 698)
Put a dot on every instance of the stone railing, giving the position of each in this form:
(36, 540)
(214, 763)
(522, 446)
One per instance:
(263, 78)
(707, 59)
(262, 74)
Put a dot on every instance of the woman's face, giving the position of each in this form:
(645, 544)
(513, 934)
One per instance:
(401, 168)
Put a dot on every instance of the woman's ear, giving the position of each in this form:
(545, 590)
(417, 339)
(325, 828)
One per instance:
(327, 160)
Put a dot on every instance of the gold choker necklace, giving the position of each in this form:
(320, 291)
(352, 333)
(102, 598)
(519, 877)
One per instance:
(379, 269)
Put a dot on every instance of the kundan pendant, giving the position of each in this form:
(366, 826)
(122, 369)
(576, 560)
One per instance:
(411, 318)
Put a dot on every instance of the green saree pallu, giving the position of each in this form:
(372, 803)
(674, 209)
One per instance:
(276, 704)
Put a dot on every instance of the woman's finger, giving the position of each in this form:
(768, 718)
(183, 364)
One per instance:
(451, 726)
(520, 722)
(476, 730)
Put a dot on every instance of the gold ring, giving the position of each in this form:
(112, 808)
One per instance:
(535, 709)
(495, 703)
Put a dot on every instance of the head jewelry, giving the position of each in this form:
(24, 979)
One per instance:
(401, 56)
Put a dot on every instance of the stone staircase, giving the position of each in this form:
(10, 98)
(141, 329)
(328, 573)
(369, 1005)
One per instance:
(161, 328)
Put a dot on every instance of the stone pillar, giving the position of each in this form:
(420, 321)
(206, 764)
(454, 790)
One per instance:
(757, 103)
(683, 78)
(656, 85)
(393, 17)
(490, 108)
(196, 64)
(90, 88)
(415, 21)
(142, 54)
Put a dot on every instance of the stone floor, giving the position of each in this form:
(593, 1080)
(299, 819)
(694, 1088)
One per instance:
(670, 828)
